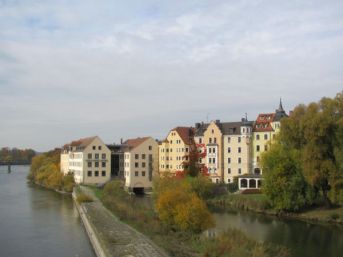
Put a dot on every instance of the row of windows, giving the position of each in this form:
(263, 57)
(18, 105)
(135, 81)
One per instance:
(239, 160)
(96, 164)
(96, 156)
(258, 148)
(239, 149)
(239, 171)
(211, 150)
(178, 150)
(212, 160)
(178, 158)
(94, 147)
(96, 173)
(127, 173)
(127, 164)
(258, 137)
(75, 155)
(76, 164)
(178, 141)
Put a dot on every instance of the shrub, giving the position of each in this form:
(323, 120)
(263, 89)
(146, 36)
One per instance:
(83, 198)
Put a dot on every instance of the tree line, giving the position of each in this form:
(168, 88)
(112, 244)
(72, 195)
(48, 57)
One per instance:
(16, 156)
(305, 164)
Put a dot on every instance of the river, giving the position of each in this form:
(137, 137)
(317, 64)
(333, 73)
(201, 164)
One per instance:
(38, 222)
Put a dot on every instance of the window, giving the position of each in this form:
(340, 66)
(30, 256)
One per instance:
(143, 164)
(143, 156)
(186, 149)
(103, 173)
(143, 173)
(229, 170)
(200, 140)
(212, 131)
(214, 150)
(239, 150)
(239, 139)
(89, 173)
(103, 156)
(229, 139)
(209, 160)
(94, 147)
(96, 173)
(99, 147)
(239, 160)
(228, 160)
(239, 170)
(229, 150)
(228, 180)
(103, 164)
(136, 165)
(257, 137)
(214, 160)
(265, 147)
(89, 164)
(150, 147)
(96, 156)
(210, 140)
(258, 159)
(215, 140)
(257, 148)
(209, 150)
(136, 173)
(266, 136)
(136, 156)
(96, 164)
(89, 156)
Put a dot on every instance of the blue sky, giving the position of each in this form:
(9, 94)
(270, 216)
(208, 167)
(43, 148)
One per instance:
(121, 69)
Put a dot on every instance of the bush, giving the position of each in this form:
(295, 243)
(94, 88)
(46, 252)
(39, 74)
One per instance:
(83, 198)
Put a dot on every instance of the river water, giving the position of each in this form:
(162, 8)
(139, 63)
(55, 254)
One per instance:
(38, 222)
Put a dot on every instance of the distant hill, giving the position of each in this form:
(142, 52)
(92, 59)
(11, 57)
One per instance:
(16, 156)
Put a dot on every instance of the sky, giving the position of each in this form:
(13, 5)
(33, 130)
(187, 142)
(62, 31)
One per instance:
(121, 69)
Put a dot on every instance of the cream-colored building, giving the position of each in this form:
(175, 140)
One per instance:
(266, 126)
(174, 150)
(140, 164)
(88, 159)
(237, 149)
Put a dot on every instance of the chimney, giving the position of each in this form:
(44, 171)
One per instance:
(121, 141)
(197, 125)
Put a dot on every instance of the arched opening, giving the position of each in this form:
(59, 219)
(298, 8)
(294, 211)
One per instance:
(252, 183)
(257, 171)
(244, 183)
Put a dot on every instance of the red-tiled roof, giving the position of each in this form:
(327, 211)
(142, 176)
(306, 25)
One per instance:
(264, 122)
(186, 134)
(132, 143)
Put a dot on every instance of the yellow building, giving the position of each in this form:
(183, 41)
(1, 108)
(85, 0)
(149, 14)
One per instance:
(266, 126)
(174, 150)
(140, 164)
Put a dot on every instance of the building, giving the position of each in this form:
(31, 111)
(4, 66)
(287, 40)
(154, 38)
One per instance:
(174, 150)
(140, 164)
(88, 159)
(117, 160)
(266, 126)
(225, 148)
(237, 149)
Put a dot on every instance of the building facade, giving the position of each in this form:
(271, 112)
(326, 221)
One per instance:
(174, 150)
(140, 164)
(266, 126)
(88, 159)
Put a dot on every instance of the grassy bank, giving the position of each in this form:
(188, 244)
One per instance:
(143, 217)
(259, 203)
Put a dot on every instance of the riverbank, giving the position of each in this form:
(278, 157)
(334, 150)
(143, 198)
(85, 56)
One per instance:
(258, 203)
(110, 236)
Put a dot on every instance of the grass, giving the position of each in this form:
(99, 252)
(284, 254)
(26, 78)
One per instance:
(334, 214)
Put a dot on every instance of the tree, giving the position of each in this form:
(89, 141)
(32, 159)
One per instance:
(284, 183)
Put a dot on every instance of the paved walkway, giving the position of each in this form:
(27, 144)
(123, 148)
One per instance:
(117, 238)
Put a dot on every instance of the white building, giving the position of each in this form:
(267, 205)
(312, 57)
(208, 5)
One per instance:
(88, 159)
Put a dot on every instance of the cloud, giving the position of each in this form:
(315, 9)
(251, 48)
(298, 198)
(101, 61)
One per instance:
(72, 69)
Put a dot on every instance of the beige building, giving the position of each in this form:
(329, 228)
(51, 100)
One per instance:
(237, 149)
(88, 159)
(140, 164)
(266, 126)
(174, 150)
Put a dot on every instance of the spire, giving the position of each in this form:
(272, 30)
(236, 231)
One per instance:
(280, 106)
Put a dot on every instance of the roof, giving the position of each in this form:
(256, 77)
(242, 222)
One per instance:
(264, 122)
(233, 128)
(133, 143)
(200, 128)
(82, 142)
(186, 134)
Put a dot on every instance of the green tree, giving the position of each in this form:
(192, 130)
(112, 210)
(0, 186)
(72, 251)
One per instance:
(284, 183)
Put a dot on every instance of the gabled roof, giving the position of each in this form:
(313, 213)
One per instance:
(82, 142)
(264, 122)
(200, 128)
(186, 134)
(133, 143)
